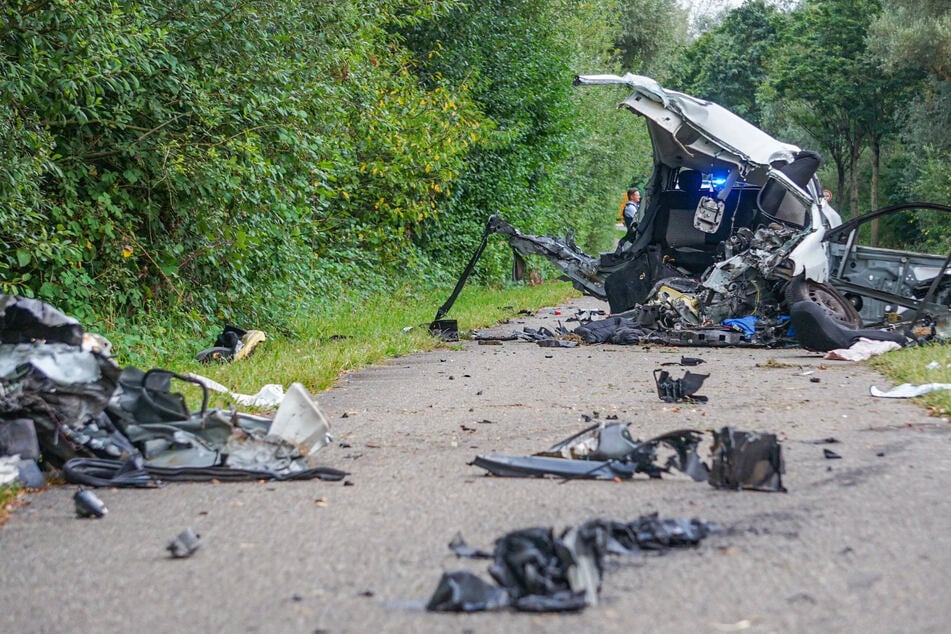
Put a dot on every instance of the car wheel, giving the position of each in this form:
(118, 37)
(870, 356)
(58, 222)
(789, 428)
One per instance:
(838, 306)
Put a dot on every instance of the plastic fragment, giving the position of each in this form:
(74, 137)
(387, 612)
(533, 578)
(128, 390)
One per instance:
(88, 504)
(185, 544)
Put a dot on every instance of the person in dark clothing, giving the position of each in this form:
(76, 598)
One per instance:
(632, 209)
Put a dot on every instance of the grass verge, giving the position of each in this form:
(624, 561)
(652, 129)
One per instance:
(919, 365)
(350, 335)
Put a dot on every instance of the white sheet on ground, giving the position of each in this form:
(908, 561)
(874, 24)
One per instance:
(861, 350)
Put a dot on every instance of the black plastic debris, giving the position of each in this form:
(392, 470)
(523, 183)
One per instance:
(88, 504)
(535, 571)
(445, 329)
(541, 335)
(746, 460)
(24, 320)
(618, 330)
(185, 544)
(63, 390)
(816, 329)
(828, 440)
(463, 591)
(686, 361)
(830, 455)
(671, 390)
(556, 343)
(604, 451)
(232, 344)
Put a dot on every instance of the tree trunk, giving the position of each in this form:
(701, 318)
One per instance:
(840, 182)
(873, 194)
(855, 150)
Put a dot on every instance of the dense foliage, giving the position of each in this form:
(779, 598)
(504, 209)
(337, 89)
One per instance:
(234, 160)
(230, 160)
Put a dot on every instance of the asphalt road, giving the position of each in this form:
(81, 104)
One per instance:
(858, 544)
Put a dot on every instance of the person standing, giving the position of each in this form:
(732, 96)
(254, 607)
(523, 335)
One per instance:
(632, 209)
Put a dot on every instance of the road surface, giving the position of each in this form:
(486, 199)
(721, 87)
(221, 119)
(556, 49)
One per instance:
(858, 544)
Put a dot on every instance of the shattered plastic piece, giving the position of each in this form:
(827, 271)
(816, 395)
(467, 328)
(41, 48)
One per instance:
(908, 390)
(539, 572)
(300, 421)
(746, 460)
(672, 390)
(537, 466)
(691, 361)
(830, 440)
(462, 591)
(88, 504)
(604, 451)
(185, 544)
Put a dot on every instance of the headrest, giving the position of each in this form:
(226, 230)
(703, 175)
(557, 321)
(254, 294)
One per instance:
(689, 180)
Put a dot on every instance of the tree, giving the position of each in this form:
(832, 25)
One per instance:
(823, 82)
(727, 64)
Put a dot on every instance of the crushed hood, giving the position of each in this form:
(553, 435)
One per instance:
(693, 132)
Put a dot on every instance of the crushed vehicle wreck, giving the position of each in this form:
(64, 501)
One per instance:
(65, 404)
(735, 226)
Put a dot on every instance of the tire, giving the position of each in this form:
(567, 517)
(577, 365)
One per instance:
(841, 309)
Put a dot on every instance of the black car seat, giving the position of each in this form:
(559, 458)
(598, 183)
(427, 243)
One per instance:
(775, 204)
(684, 243)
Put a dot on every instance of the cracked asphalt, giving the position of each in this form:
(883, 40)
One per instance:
(858, 544)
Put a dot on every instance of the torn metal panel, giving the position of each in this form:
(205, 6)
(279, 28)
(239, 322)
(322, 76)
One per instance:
(63, 389)
(604, 451)
(746, 460)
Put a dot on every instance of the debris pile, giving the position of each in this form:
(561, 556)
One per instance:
(65, 404)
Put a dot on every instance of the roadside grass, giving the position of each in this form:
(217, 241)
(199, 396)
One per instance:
(348, 336)
(911, 365)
